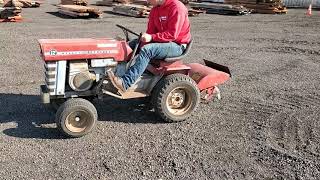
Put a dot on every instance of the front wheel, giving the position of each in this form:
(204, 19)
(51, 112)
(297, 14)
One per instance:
(175, 97)
(76, 117)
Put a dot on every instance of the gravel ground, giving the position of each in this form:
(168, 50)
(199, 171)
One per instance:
(264, 127)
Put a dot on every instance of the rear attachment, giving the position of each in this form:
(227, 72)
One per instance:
(208, 77)
(218, 67)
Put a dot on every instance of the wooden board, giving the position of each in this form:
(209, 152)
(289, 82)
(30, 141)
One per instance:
(273, 11)
(217, 8)
(131, 10)
(119, 2)
(194, 12)
(210, 5)
(106, 3)
(261, 6)
(73, 14)
(21, 3)
(74, 2)
(12, 19)
(80, 11)
(7, 12)
(76, 8)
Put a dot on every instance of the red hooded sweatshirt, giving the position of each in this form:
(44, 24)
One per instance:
(169, 23)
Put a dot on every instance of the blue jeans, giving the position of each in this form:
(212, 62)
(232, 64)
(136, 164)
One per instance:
(150, 51)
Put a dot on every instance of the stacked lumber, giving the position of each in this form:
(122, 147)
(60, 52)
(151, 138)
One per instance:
(106, 3)
(194, 12)
(111, 2)
(80, 11)
(131, 10)
(10, 14)
(117, 2)
(74, 2)
(140, 2)
(217, 8)
(21, 3)
(212, 1)
(261, 6)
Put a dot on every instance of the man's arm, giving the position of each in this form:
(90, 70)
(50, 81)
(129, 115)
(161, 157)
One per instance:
(176, 20)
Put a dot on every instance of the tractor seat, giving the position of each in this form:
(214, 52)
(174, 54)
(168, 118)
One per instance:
(183, 55)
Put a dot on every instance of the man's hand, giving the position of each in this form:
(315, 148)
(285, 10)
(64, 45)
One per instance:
(146, 37)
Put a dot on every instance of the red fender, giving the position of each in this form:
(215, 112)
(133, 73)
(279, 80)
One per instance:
(166, 68)
(207, 77)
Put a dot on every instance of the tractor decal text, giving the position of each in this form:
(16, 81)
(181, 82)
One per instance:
(56, 53)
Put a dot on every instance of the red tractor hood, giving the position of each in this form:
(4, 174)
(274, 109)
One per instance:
(70, 49)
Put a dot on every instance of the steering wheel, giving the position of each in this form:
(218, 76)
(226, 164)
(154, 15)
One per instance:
(134, 52)
(126, 31)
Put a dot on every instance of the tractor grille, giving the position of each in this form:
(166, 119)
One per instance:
(50, 76)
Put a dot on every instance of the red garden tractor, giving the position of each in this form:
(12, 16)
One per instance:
(76, 72)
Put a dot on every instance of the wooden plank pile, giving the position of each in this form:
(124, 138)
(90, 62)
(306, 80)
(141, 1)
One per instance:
(80, 11)
(111, 2)
(217, 8)
(74, 2)
(135, 8)
(117, 2)
(10, 14)
(195, 12)
(191, 11)
(261, 6)
(20, 3)
(132, 10)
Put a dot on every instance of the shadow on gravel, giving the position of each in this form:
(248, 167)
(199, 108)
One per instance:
(32, 120)
(126, 111)
(57, 14)
(60, 15)
(30, 116)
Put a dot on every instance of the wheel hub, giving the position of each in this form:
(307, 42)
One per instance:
(179, 101)
(78, 121)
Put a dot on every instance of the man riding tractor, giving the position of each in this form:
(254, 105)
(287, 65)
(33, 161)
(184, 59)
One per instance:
(77, 70)
(168, 30)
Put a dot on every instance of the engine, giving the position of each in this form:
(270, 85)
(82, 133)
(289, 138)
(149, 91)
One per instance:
(80, 79)
(82, 76)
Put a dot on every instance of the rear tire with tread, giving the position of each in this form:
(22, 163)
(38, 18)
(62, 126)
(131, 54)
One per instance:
(175, 97)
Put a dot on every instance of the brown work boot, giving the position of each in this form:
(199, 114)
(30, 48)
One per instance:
(116, 81)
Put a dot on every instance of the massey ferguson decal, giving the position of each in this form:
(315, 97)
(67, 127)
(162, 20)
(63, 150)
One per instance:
(55, 53)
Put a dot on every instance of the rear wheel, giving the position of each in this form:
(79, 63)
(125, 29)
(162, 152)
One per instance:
(76, 117)
(175, 97)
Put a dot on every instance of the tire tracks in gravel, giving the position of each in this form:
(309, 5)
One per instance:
(272, 49)
(285, 41)
(293, 50)
(285, 133)
(282, 46)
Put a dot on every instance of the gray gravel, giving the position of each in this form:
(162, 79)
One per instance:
(265, 127)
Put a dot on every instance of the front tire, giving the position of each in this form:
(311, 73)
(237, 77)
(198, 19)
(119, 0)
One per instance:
(76, 117)
(175, 97)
